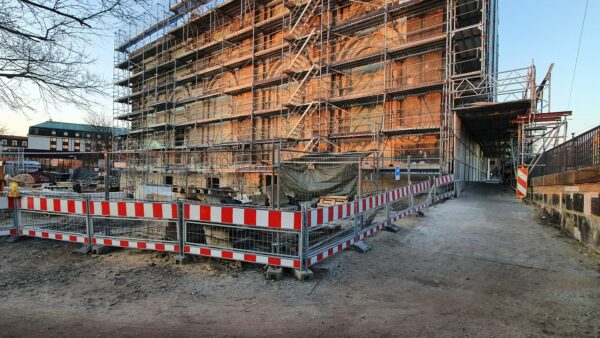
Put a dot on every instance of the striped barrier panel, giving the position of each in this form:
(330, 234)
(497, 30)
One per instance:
(63, 206)
(399, 193)
(329, 214)
(444, 180)
(420, 187)
(243, 256)
(275, 219)
(444, 196)
(371, 202)
(59, 236)
(133, 209)
(136, 244)
(8, 232)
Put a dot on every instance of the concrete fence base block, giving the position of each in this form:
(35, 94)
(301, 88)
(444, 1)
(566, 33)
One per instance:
(361, 247)
(14, 238)
(303, 274)
(392, 228)
(83, 250)
(274, 273)
(182, 259)
(101, 249)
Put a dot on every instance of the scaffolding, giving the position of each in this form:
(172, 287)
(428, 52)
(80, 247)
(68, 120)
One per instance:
(226, 83)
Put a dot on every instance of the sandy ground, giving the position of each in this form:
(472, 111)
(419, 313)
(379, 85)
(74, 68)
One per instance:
(481, 265)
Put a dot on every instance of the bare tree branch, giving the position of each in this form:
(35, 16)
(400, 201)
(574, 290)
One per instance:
(102, 125)
(43, 46)
(4, 130)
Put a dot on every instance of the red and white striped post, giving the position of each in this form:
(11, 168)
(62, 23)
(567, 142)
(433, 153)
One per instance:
(522, 175)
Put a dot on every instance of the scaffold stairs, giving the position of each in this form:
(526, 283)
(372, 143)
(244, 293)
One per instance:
(296, 131)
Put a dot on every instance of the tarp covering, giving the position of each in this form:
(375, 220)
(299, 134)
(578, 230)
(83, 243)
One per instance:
(304, 181)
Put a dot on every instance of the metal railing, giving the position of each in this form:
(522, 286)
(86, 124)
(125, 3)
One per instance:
(580, 152)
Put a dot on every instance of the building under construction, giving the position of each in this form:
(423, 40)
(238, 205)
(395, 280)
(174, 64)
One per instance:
(213, 92)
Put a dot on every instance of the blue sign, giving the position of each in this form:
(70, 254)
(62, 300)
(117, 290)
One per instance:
(397, 173)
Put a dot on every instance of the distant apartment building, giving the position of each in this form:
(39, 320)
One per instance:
(12, 142)
(69, 137)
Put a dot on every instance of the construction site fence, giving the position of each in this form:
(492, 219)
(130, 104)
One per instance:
(291, 239)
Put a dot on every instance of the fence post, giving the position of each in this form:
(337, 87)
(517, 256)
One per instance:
(456, 190)
(356, 216)
(303, 244)
(181, 257)
(89, 224)
(411, 192)
(387, 209)
(16, 215)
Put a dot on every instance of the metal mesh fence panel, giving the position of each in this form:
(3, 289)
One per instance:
(138, 229)
(75, 224)
(403, 203)
(245, 239)
(371, 217)
(6, 219)
(327, 234)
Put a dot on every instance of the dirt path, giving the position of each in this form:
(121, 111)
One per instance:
(477, 266)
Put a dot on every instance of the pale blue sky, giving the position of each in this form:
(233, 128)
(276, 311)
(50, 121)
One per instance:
(545, 31)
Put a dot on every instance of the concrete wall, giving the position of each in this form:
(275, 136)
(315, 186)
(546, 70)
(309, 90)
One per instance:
(470, 165)
(573, 206)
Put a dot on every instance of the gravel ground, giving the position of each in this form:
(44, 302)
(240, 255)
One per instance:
(480, 265)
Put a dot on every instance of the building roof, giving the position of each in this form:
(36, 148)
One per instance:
(14, 137)
(75, 127)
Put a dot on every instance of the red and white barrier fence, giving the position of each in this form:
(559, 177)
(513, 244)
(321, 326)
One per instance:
(324, 215)
(59, 236)
(444, 179)
(243, 256)
(85, 213)
(136, 244)
(330, 214)
(392, 196)
(62, 206)
(7, 227)
(133, 209)
(276, 219)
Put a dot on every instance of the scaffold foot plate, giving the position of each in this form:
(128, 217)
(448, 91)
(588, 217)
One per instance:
(392, 228)
(182, 260)
(303, 274)
(84, 250)
(361, 247)
(274, 273)
(14, 238)
(101, 249)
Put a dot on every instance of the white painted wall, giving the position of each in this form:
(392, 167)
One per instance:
(38, 142)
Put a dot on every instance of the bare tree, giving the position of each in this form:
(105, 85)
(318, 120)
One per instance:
(102, 126)
(4, 129)
(43, 48)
